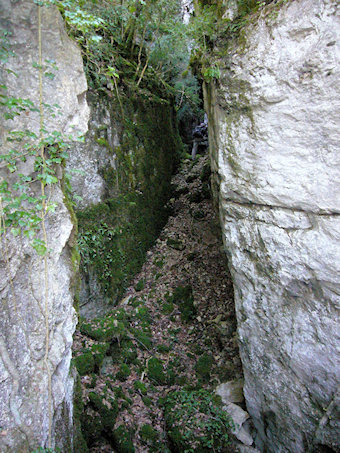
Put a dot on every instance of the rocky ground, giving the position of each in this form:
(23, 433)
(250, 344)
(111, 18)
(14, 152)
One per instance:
(149, 368)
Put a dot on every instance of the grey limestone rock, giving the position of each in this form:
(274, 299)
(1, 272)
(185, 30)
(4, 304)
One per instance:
(27, 313)
(90, 160)
(274, 120)
(231, 392)
(239, 416)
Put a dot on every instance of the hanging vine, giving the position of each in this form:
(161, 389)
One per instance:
(43, 226)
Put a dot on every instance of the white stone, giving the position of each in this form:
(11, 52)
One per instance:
(239, 416)
(274, 124)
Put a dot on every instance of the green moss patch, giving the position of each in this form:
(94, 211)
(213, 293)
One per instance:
(84, 363)
(112, 326)
(141, 387)
(183, 297)
(123, 373)
(156, 371)
(204, 365)
(148, 434)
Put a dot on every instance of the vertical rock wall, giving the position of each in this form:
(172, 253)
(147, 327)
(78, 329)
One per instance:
(274, 133)
(88, 167)
(24, 395)
(122, 173)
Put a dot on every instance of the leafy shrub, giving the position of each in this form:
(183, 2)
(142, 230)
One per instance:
(195, 422)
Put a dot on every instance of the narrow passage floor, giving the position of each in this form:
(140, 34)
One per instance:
(148, 369)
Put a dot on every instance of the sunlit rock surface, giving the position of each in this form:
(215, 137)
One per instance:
(274, 118)
(24, 400)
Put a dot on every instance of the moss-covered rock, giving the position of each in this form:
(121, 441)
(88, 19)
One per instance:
(79, 441)
(107, 408)
(115, 234)
(110, 327)
(123, 351)
(84, 363)
(99, 352)
(143, 337)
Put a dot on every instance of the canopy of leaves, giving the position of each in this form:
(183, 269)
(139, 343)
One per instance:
(140, 44)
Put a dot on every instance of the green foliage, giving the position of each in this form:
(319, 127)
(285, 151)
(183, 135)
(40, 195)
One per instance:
(144, 337)
(195, 422)
(148, 434)
(107, 410)
(211, 73)
(209, 28)
(99, 351)
(84, 363)
(163, 348)
(141, 387)
(140, 285)
(111, 327)
(141, 46)
(167, 308)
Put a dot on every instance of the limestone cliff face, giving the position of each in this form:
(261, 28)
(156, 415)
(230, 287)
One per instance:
(89, 162)
(122, 175)
(274, 134)
(25, 314)
(88, 167)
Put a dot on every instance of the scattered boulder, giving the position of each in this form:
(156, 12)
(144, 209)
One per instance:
(239, 416)
(231, 392)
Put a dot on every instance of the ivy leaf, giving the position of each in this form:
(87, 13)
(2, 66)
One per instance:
(39, 246)
(29, 234)
(15, 231)
(50, 75)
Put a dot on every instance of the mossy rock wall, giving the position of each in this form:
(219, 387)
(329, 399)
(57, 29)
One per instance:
(128, 158)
